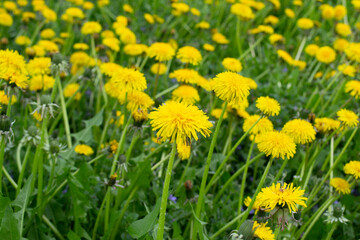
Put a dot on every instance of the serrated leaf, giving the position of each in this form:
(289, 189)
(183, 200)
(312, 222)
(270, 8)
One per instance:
(85, 135)
(141, 227)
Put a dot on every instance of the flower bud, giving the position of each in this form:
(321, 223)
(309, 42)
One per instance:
(4, 123)
(33, 131)
(45, 99)
(246, 230)
(338, 210)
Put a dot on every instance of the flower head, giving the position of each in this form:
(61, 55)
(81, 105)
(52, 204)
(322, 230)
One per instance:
(189, 54)
(185, 75)
(129, 79)
(325, 125)
(186, 94)
(262, 232)
(264, 125)
(83, 149)
(305, 23)
(91, 28)
(161, 51)
(13, 68)
(231, 87)
(232, 64)
(300, 130)
(277, 144)
(353, 168)
(268, 106)
(179, 122)
(184, 151)
(277, 195)
(341, 185)
(138, 100)
(348, 118)
(39, 65)
(325, 55)
(353, 87)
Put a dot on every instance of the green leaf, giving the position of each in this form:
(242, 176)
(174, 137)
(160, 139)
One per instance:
(4, 202)
(85, 135)
(73, 236)
(9, 226)
(21, 201)
(140, 227)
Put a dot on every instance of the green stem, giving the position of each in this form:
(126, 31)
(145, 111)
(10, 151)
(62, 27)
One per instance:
(52, 227)
(65, 116)
(39, 160)
(7, 175)
(212, 180)
(97, 221)
(241, 195)
(165, 193)
(2, 153)
(333, 228)
(23, 168)
(228, 225)
(206, 171)
(261, 183)
(281, 170)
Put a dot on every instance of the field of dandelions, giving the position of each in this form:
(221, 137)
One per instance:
(171, 119)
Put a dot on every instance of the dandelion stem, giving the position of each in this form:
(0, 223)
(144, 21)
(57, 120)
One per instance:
(241, 195)
(206, 171)
(165, 193)
(23, 168)
(261, 183)
(2, 153)
(283, 165)
(229, 155)
(7, 175)
(65, 116)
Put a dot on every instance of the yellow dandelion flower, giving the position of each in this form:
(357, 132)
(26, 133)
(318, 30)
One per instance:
(325, 55)
(311, 49)
(353, 168)
(256, 206)
(268, 106)
(305, 23)
(216, 113)
(220, 38)
(22, 40)
(134, 49)
(203, 25)
(190, 55)
(81, 46)
(140, 115)
(41, 82)
(129, 79)
(128, 8)
(264, 125)
(274, 38)
(348, 118)
(71, 89)
(326, 125)
(149, 18)
(286, 195)
(37, 116)
(341, 185)
(13, 68)
(91, 28)
(243, 11)
(184, 151)
(277, 144)
(347, 70)
(186, 94)
(204, 83)
(208, 47)
(158, 68)
(242, 113)
(300, 130)
(232, 64)
(185, 75)
(83, 149)
(231, 87)
(179, 122)
(112, 43)
(352, 51)
(39, 65)
(353, 87)
(110, 68)
(327, 11)
(263, 232)
(289, 13)
(4, 99)
(285, 56)
(138, 100)
(343, 29)
(340, 12)
(161, 51)
(47, 33)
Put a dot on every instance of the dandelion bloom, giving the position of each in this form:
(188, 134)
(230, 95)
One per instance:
(83, 149)
(277, 195)
(305, 23)
(39, 65)
(4, 99)
(138, 100)
(129, 79)
(219, 38)
(343, 29)
(13, 68)
(264, 125)
(41, 82)
(189, 54)
(184, 151)
(277, 144)
(232, 64)
(186, 94)
(185, 75)
(262, 232)
(289, 13)
(353, 51)
(110, 68)
(231, 87)
(341, 185)
(161, 51)
(353, 168)
(134, 49)
(268, 106)
(347, 70)
(243, 11)
(300, 130)
(326, 125)
(353, 87)
(91, 28)
(216, 113)
(274, 38)
(208, 47)
(325, 55)
(340, 12)
(71, 89)
(256, 206)
(327, 11)
(311, 49)
(348, 118)
(179, 122)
